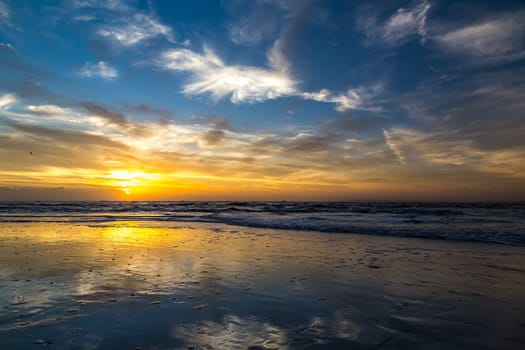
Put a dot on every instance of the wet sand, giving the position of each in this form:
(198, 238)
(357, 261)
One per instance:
(154, 285)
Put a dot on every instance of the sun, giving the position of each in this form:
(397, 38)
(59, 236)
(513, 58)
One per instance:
(127, 181)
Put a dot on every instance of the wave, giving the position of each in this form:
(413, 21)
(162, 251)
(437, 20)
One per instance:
(485, 222)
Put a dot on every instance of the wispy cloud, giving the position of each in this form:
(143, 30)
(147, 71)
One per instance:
(209, 74)
(68, 136)
(84, 18)
(6, 46)
(343, 102)
(250, 30)
(105, 4)
(6, 100)
(441, 149)
(215, 121)
(394, 146)
(276, 58)
(501, 38)
(100, 69)
(133, 30)
(115, 119)
(261, 22)
(5, 15)
(47, 109)
(254, 22)
(404, 24)
(147, 109)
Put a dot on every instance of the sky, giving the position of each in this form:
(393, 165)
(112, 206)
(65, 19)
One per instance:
(262, 100)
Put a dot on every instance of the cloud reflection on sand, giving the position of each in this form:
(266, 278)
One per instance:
(250, 332)
(234, 332)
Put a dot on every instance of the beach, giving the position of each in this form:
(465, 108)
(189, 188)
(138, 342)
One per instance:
(262, 175)
(133, 284)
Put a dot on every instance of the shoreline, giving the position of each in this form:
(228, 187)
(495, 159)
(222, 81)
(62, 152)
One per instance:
(498, 223)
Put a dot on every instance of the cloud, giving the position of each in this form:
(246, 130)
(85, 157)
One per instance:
(84, 18)
(104, 4)
(308, 143)
(393, 144)
(213, 137)
(498, 38)
(250, 30)
(6, 46)
(110, 116)
(116, 119)
(254, 22)
(6, 100)
(404, 24)
(52, 115)
(343, 102)
(216, 122)
(147, 109)
(5, 15)
(97, 119)
(209, 74)
(133, 30)
(353, 125)
(100, 69)
(276, 58)
(449, 151)
(46, 109)
(261, 22)
(67, 136)
(485, 108)
(309, 148)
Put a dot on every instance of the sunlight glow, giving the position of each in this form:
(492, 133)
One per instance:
(126, 180)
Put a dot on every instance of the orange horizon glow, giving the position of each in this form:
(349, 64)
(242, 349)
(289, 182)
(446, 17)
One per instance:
(137, 185)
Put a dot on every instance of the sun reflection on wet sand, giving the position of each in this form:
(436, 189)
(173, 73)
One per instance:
(166, 285)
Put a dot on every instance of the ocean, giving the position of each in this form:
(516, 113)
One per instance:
(482, 222)
(262, 275)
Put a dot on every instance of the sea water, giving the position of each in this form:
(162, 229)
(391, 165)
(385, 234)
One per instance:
(485, 222)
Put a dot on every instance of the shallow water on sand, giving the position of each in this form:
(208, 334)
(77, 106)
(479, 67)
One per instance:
(160, 285)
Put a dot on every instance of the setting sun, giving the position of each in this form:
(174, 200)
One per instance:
(127, 181)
